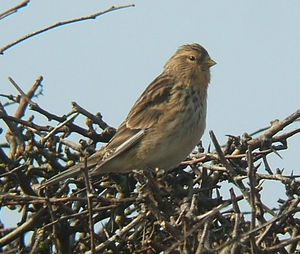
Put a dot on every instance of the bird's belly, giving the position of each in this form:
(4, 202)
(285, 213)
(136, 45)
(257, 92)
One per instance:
(167, 151)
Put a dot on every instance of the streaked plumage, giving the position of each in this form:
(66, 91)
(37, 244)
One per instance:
(164, 124)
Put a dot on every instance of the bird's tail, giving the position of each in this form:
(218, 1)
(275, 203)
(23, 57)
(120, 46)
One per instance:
(75, 170)
(71, 172)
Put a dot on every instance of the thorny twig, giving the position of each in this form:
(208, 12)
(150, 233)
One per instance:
(180, 210)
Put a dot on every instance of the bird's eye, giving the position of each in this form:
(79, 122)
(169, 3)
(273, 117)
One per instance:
(192, 58)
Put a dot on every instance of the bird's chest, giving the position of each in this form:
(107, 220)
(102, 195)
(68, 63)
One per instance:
(184, 125)
(189, 124)
(178, 131)
(189, 111)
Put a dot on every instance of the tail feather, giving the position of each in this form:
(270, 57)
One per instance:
(69, 173)
(75, 170)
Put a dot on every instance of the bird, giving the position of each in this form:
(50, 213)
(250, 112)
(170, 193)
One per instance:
(165, 123)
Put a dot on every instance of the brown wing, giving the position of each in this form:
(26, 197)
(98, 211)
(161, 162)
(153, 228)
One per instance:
(146, 111)
(150, 106)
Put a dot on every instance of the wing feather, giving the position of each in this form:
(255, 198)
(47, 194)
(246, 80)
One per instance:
(145, 113)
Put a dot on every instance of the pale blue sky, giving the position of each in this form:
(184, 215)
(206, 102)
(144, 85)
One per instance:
(105, 64)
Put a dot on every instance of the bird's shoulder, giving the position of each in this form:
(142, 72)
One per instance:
(150, 106)
(146, 111)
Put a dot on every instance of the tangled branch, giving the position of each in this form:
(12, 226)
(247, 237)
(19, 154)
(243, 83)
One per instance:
(179, 211)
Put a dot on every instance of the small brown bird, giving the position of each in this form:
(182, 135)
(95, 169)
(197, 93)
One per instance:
(164, 124)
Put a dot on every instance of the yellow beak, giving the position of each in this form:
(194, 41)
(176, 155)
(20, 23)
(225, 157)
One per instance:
(209, 62)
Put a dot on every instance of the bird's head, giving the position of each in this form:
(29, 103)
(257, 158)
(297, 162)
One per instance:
(190, 61)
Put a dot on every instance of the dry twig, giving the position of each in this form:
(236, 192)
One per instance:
(177, 211)
(62, 23)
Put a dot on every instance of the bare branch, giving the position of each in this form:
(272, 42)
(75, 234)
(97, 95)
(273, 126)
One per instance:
(13, 9)
(144, 212)
(62, 23)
